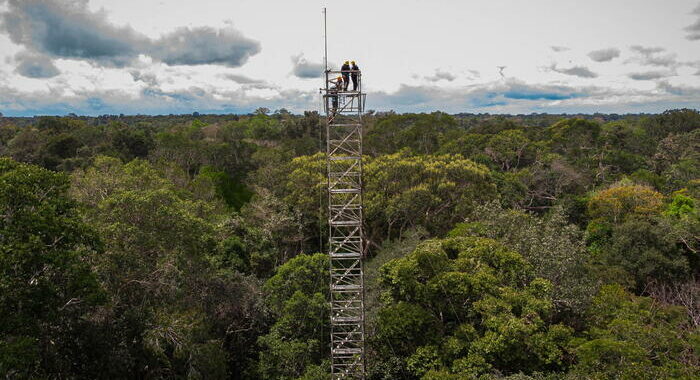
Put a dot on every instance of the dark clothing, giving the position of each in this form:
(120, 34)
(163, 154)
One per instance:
(336, 86)
(355, 75)
(345, 70)
(334, 103)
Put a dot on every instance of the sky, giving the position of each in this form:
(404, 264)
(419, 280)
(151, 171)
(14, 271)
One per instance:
(94, 57)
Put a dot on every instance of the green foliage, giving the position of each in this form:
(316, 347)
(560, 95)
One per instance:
(182, 341)
(304, 273)
(646, 250)
(404, 190)
(25, 146)
(622, 201)
(62, 146)
(46, 284)
(390, 250)
(422, 133)
(549, 243)
(131, 143)
(262, 127)
(156, 250)
(648, 178)
(632, 243)
(548, 181)
(297, 343)
(470, 145)
(683, 215)
(680, 206)
(634, 337)
(108, 176)
(426, 358)
(233, 192)
(305, 187)
(671, 122)
(508, 148)
(185, 253)
(159, 246)
(403, 327)
(232, 254)
(574, 138)
(467, 305)
(270, 231)
(7, 132)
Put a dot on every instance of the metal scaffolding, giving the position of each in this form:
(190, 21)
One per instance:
(344, 110)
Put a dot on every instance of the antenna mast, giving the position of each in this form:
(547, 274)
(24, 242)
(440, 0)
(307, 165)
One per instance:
(344, 108)
(325, 41)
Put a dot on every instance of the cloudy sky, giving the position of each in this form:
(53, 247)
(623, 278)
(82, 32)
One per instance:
(498, 56)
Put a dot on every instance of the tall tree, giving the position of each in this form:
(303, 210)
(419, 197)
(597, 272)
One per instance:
(47, 287)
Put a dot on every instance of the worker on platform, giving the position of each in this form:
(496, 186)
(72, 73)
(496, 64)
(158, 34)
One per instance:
(355, 75)
(345, 70)
(335, 87)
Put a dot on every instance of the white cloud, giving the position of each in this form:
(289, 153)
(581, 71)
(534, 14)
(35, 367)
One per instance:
(559, 49)
(650, 56)
(578, 71)
(441, 75)
(516, 96)
(604, 55)
(650, 75)
(68, 29)
(301, 68)
(32, 65)
(694, 28)
(180, 56)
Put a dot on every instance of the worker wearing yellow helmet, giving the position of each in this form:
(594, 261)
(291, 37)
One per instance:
(333, 91)
(355, 76)
(345, 70)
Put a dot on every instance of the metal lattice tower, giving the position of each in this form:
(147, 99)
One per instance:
(344, 110)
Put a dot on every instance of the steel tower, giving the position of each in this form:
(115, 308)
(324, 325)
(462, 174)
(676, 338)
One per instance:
(344, 110)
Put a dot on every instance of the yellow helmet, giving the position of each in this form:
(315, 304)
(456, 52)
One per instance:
(340, 78)
(346, 62)
(353, 62)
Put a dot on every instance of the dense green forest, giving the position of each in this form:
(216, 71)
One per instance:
(518, 247)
